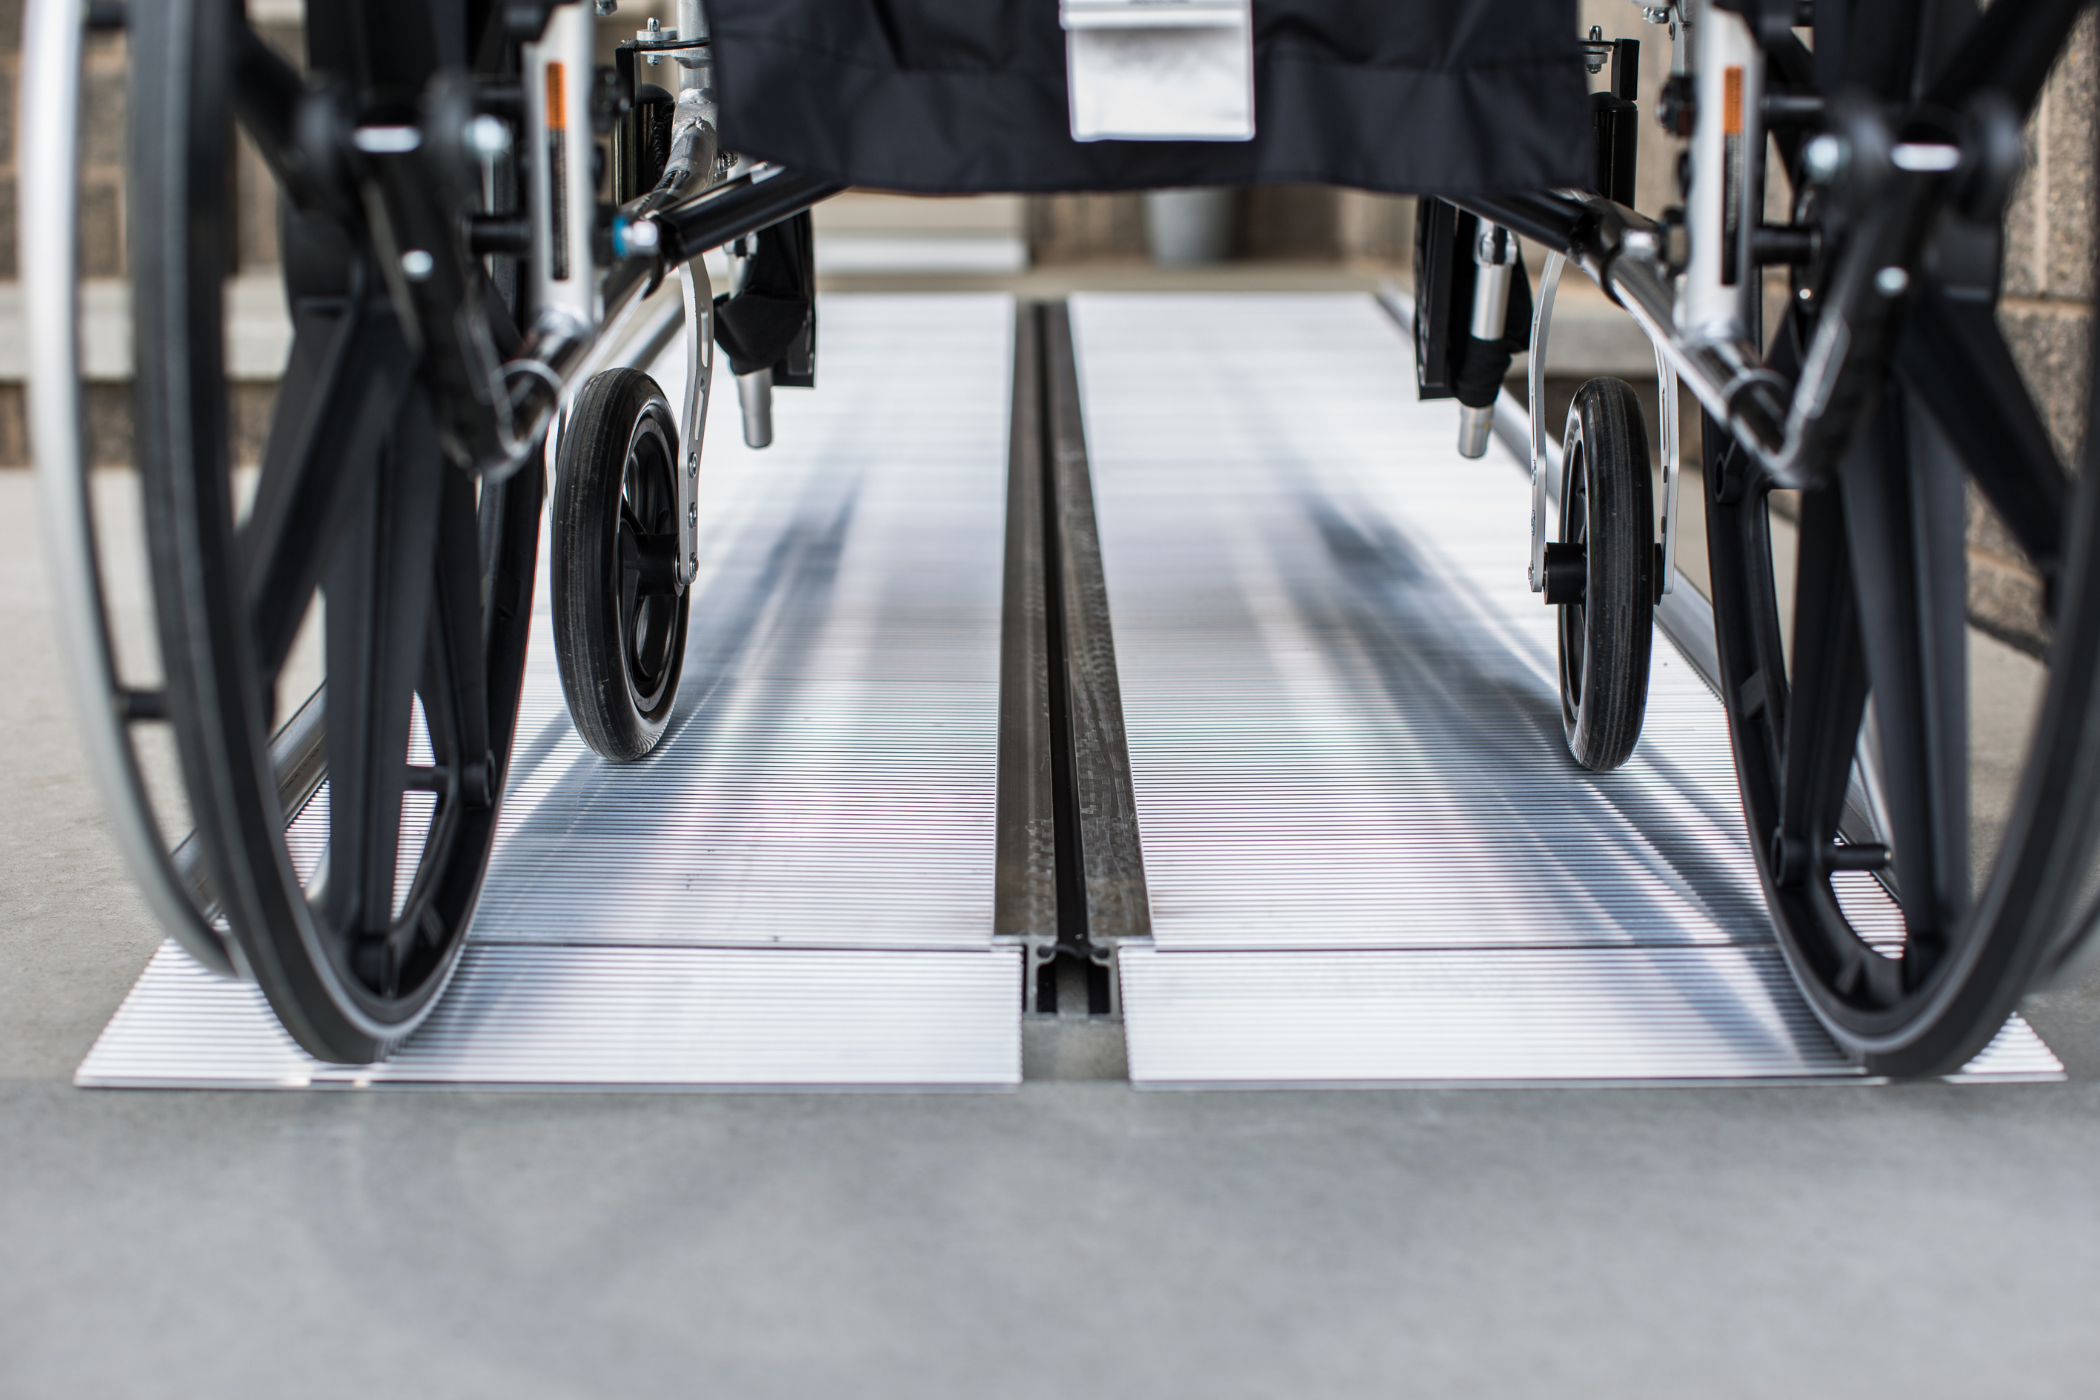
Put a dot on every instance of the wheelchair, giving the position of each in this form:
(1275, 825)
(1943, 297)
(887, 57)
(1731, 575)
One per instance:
(460, 287)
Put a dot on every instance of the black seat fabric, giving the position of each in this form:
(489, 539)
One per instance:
(968, 96)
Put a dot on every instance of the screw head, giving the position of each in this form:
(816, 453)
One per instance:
(1891, 281)
(635, 236)
(416, 265)
(1823, 157)
(488, 136)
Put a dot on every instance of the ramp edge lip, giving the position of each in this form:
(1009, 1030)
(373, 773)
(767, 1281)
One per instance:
(174, 994)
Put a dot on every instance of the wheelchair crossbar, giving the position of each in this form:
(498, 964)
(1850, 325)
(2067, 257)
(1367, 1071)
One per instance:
(734, 210)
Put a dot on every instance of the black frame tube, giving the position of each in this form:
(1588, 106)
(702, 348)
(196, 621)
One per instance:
(734, 210)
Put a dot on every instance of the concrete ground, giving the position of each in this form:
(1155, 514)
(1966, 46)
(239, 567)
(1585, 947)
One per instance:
(1066, 1239)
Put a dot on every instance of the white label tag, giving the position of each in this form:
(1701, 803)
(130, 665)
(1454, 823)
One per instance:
(1160, 70)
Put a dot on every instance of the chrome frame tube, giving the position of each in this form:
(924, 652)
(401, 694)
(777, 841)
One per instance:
(694, 142)
(1666, 415)
(754, 401)
(692, 27)
(558, 77)
(1722, 209)
(1491, 281)
(49, 120)
(1494, 263)
(1729, 378)
(699, 382)
(569, 312)
(1535, 405)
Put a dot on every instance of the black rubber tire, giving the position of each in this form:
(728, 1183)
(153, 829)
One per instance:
(620, 651)
(1608, 506)
(314, 967)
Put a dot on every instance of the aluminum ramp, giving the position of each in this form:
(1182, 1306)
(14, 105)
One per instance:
(1365, 856)
(796, 889)
(1368, 856)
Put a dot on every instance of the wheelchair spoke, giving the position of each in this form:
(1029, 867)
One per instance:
(347, 372)
(1740, 545)
(1955, 360)
(379, 583)
(1827, 698)
(1904, 515)
(455, 691)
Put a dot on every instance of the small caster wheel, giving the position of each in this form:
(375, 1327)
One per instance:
(1602, 574)
(619, 611)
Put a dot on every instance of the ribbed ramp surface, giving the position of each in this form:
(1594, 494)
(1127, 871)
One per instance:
(796, 888)
(1368, 855)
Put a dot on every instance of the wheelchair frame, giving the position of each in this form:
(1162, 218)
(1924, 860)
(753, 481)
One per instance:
(1882, 388)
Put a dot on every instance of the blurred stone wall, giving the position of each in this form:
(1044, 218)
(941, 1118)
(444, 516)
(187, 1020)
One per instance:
(2046, 315)
(101, 215)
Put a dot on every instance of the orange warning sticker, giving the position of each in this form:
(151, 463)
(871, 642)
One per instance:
(558, 110)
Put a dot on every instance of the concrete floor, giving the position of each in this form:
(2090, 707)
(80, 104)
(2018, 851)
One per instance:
(1066, 1239)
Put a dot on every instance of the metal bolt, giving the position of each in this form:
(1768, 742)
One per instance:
(635, 236)
(386, 140)
(1823, 157)
(417, 264)
(1891, 281)
(488, 136)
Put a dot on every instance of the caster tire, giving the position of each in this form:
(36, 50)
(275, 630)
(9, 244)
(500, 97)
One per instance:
(619, 611)
(1607, 523)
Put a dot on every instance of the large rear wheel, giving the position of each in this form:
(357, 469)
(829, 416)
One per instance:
(1851, 737)
(1849, 692)
(424, 575)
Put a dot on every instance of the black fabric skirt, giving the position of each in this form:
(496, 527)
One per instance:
(968, 96)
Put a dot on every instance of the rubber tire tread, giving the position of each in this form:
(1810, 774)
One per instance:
(584, 569)
(1605, 426)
